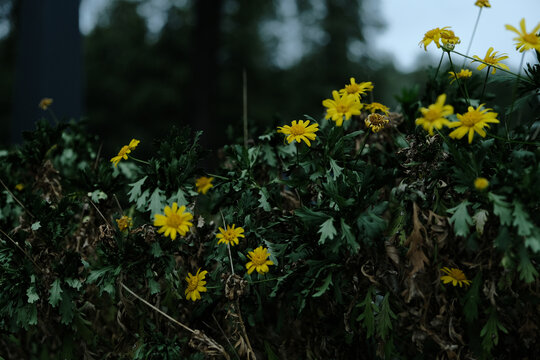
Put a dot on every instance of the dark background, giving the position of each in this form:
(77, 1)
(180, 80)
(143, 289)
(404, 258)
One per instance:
(130, 82)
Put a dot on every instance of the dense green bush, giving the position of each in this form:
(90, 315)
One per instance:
(392, 244)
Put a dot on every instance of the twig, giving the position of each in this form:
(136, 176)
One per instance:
(102, 216)
(24, 252)
(237, 306)
(225, 336)
(158, 310)
(15, 198)
(97, 156)
(118, 203)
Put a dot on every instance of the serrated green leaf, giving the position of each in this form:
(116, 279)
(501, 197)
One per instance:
(335, 168)
(74, 283)
(368, 315)
(66, 309)
(32, 294)
(135, 191)
(327, 230)
(55, 293)
(36, 225)
(97, 196)
(521, 219)
(533, 241)
(479, 220)
(142, 200)
(501, 208)
(527, 271)
(179, 198)
(154, 286)
(461, 219)
(157, 202)
(263, 199)
(348, 236)
(472, 299)
(156, 250)
(490, 331)
(384, 318)
(324, 287)
(310, 217)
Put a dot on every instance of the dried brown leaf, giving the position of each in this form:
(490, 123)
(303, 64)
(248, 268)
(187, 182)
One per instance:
(416, 240)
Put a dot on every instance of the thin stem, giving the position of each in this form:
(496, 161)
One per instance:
(513, 141)
(364, 141)
(438, 67)
(457, 79)
(230, 257)
(100, 213)
(17, 200)
(473, 33)
(23, 251)
(219, 177)
(496, 67)
(139, 160)
(485, 82)
(158, 310)
(265, 280)
(517, 83)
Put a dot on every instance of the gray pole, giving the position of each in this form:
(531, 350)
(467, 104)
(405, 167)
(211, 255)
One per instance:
(48, 64)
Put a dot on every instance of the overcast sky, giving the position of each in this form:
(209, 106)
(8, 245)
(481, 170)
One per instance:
(406, 22)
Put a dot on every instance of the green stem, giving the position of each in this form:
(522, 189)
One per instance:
(265, 280)
(473, 33)
(364, 141)
(485, 82)
(139, 160)
(517, 83)
(219, 177)
(514, 141)
(464, 92)
(438, 67)
(496, 67)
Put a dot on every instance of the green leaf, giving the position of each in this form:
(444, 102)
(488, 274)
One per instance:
(527, 271)
(310, 217)
(501, 208)
(66, 309)
(74, 283)
(472, 299)
(142, 201)
(36, 225)
(179, 198)
(384, 318)
(327, 230)
(324, 287)
(97, 196)
(135, 191)
(269, 352)
(156, 202)
(32, 294)
(370, 223)
(479, 220)
(533, 241)
(461, 219)
(156, 250)
(521, 220)
(490, 331)
(348, 236)
(263, 200)
(55, 293)
(154, 286)
(368, 315)
(335, 168)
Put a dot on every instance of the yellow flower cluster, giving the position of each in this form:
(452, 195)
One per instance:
(440, 37)
(124, 151)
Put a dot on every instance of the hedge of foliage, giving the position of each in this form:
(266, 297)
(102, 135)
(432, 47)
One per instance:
(368, 234)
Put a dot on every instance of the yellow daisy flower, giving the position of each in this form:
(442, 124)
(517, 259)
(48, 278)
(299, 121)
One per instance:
(230, 236)
(299, 131)
(526, 41)
(434, 35)
(473, 120)
(122, 154)
(124, 222)
(449, 40)
(195, 285)
(454, 276)
(463, 74)
(482, 3)
(376, 122)
(19, 187)
(259, 260)
(434, 115)
(342, 106)
(204, 184)
(175, 220)
(45, 103)
(374, 106)
(356, 89)
(492, 60)
(481, 183)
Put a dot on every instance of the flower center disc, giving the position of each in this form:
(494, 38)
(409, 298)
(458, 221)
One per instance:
(192, 284)
(471, 118)
(174, 220)
(352, 89)
(342, 108)
(295, 130)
